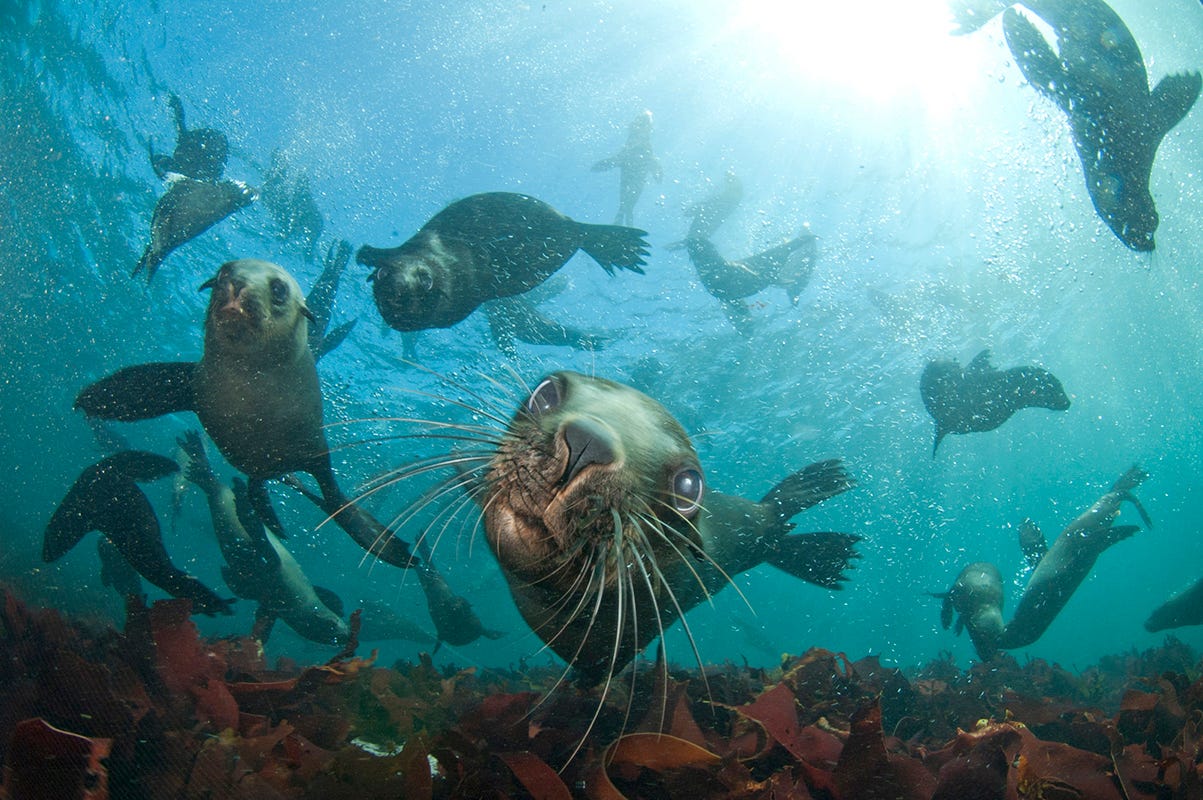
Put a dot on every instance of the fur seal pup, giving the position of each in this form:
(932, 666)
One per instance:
(787, 265)
(106, 498)
(517, 318)
(976, 598)
(597, 510)
(1184, 608)
(981, 398)
(200, 153)
(636, 164)
(977, 594)
(484, 247)
(256, 393)
(257, 566)
(188, 209)
(1098, 78)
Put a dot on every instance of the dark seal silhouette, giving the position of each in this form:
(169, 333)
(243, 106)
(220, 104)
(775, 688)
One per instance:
(200, 153)
(979, 397)
(1184, 608)
(106, 498)
(636, 164)
(787, 265)
(483, 247)
(1097, 77)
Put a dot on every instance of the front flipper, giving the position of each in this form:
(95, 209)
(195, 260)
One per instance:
(141, 392)
(256, 492)
(809, 486)
(1035, 57)
(819, 558)
(1172, 99)
(330, 600)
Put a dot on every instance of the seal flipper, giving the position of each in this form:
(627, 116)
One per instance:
(809, 486)
(1171, 100)
(615, 246)
(819, 558)
(256, 492)
(330, 600)
(980, 362)
(265, 620)
(1036, 59)
(141, 392)
(335, 338)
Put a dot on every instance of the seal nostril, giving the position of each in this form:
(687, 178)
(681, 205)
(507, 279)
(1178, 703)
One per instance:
(588, 443)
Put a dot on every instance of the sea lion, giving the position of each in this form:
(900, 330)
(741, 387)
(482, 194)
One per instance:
(258, 567)
(976, 598)
(106, 498)
(200, 153)
(706, 215)
(597, 510)
(787, 265)
(453, 618)
(636, 164)
(517, 318)
(484, 247)
(1184, 608)
(977, 594)
(289, 200)
(1032, 543)
(1098, 79)
(256, 393)
(188, 209)
(981, 398)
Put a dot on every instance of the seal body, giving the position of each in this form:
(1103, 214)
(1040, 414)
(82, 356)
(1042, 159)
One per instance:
(483, 247)
(787, 265)
(636, 165)
(1098, 79)
(188, 209)
(981, 398)
(1185, 608)
(976, 599)
(596, 508)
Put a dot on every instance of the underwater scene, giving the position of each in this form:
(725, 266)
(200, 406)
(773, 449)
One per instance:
(602, 399)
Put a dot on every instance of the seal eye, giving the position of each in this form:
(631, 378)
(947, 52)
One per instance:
(544, 398)
(688, 487)
(279, 290)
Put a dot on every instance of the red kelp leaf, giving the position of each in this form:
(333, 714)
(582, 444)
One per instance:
(215, 705)
(655, 751)
(540, 780)
(866, 770)
(980, 774)
(246, 690)
(415, 768)
(1054, 770)
(16, 617)
(1137, 772)
(180, 658)
(307, 757)
(255, 748)
(45, 763)
(777, 712)
(109, 699)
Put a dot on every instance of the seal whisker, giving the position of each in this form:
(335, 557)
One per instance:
(489, 407)
(432, 495)
(640, 538)
(422, 466)
(492, 433)
(450, 511)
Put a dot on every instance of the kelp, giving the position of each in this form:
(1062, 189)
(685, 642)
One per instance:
(160, 711)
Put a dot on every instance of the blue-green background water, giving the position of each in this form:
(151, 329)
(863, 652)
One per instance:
(950, 205)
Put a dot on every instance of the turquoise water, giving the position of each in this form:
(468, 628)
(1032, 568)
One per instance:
(952, 217)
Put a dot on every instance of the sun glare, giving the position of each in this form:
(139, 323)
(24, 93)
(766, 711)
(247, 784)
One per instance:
(877, 50)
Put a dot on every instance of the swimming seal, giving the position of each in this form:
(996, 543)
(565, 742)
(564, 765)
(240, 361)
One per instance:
(597, 510)
(518, 318)
(1184, 608)
(200, 153)
(787, 265)
(1098, 80)
(188, 209)
(981, 398)
(106, 498)
(977, 593)
(256, 393)
(484, 247)
(706, 215)
(636, 164)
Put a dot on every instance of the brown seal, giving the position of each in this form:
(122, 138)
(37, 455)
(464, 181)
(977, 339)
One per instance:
(483, 247)
(596, 508)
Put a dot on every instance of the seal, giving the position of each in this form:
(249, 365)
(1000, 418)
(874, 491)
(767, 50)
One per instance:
(483, 247)
(256, 393)
(200, 153)
(288, 198)
(1184, 608)
(106, 498)
(188, 209)
(706, 215)
(636, 164)
(1098, 79)
(981, 398)
(788, 265)
(596, 508)
(977, 598)
(518, 318)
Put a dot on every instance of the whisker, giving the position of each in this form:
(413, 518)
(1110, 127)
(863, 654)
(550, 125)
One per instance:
(641, 539)
(493, 413)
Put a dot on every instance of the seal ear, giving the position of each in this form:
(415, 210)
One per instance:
(308, 314)
(209, 284)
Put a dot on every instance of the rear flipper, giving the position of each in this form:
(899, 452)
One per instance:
(1036, 59)
(1127, 482)
(141, 392)
(615, 246)
(256, 492)
(970, 15)
(819, 558)
(809, 486)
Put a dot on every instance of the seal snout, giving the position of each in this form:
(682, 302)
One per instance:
(589, 442)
